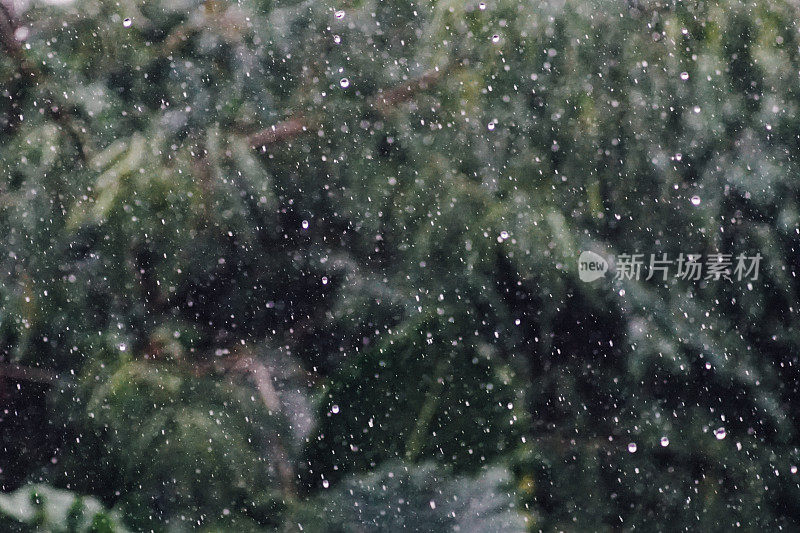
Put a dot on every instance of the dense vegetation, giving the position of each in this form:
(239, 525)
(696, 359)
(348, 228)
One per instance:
(312, 265)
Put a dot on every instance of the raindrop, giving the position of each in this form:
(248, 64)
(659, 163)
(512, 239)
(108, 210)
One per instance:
(664, 442)
(495, 38)
(491, 126)
(433, 504)
(127, 23)
(335, 409)
(684, 76)
(482, 6)
(339, 15)
(345, 83)
(695, 200)
(325, 484)
(337, 39)
(305, 224)
(504, 235)
(21, 33)
(324, 280)
(720, 433)
(632, 447)
(793, 469)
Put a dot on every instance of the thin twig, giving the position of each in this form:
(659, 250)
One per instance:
(279, 132)
(262, 377)
(27, 373)
(388, 99)
(383, 102)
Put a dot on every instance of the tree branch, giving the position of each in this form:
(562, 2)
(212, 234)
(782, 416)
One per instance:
(384, 101)
(27, 373)
(388, 99)
(261, 376)
(291, 127)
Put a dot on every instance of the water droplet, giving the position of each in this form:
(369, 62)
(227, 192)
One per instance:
(127, 23)
(793, 469)
(684, 76)
(490, 126)
(325, 484)
(495, 38)
(21, 33)
(304, 224)
(504, 235)
(632, 447)
(482, 6)
(720, 433)
(664, 442)
(345, 83)
(339, 15)
(335, 409)
(433, 504)
(324, 280)
(337, 39)
(695, 200)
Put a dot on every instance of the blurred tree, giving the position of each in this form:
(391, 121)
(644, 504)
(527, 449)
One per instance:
(256, 253)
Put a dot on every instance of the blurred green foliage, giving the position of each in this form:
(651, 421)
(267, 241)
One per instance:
(43, 508)
(284, 265)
